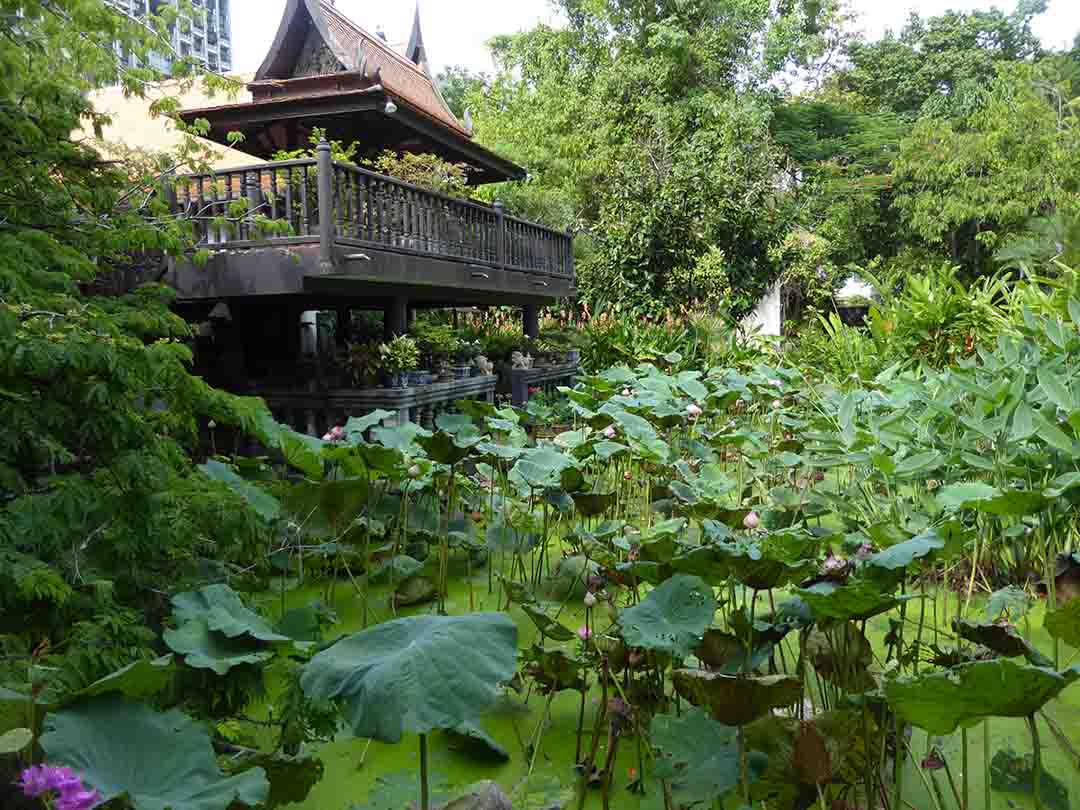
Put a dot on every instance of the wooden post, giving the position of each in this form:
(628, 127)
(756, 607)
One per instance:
(395, 320)
(326, 208)
(500, 234)
(530, 321)
(253, 192)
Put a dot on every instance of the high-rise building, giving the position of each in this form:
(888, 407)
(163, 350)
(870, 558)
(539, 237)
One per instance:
(208, 39)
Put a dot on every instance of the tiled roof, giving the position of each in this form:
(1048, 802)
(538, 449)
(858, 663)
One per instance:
(398, 75)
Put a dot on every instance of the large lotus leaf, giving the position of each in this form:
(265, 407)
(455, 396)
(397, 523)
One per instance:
(159, 761)
(445, 448)
(904, 554)
(416, 674)
(203, 648)
(265, 504)
(724, 652)
(1064, 623)
(327, 507)
(711, 562)
(859, 598)
(223, 611)
(672, 618)
(540, 468)
(357, 426)
(300, 451)
(699, 757)
(966, 494)
(401, 438)
(943, 701)
(736, 700)
(641, 433)
(591, 504)
(142, 679)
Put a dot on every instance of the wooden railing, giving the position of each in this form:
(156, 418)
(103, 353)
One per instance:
(315, 413)
(338, 201)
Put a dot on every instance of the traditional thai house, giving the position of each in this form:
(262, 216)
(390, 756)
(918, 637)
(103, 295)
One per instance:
(346, 237)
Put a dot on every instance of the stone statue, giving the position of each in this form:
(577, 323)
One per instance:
(521, 361)
(484, 366)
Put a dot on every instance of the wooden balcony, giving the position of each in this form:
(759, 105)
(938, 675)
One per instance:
(350, 235)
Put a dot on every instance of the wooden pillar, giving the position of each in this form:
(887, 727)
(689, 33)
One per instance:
(396, 318)
(411, 320)
(344, 323)
(530, 321)
(326, 207)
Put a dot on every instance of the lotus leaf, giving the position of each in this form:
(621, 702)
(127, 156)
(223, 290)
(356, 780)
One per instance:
(159, 761)
(1001, 638)
(416, 674)
(471, 739)
(1014, 773)
(223, 611)
(415, 590)
(672, 618)
(724, 652)
(142, 679)
(859, 598)
(540, 468)
(943, 701)
(901, 555)
(357, 426)
(549, 627)
(203, 648)
(327, 507)
(591, 504)
(966, 494)
(446, 448)
(554, 670)
(14, 741)
(291, 778)
(736, 700)
(699, 757)
(265, 504)
(1064, 623)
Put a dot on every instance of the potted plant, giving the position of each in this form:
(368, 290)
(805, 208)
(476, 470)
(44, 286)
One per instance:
(438, 344)
(466, 351)
(399, 356)
(363, 361)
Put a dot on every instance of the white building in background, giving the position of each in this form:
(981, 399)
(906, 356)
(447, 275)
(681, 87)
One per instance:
(208, 39)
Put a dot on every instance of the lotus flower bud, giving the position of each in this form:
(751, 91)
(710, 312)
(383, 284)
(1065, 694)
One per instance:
(590, 600)
(609, 432)
(751, 521)
(626, 392)
(777, 404)
(584, 633)
(415, 471)
(627, 476)
(693, 411)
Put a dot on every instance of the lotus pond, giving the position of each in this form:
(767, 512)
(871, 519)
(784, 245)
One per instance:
(722, 588)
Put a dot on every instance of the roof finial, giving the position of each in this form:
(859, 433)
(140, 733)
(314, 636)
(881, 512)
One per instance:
(468, 121)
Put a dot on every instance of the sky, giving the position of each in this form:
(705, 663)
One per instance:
(455, 31)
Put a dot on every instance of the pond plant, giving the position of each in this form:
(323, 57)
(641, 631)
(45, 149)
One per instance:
(793, 595)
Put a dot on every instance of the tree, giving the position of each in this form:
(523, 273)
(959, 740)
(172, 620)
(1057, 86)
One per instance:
(98, 494)
(933, 59)
(457, 83)
(967, 185)
(645, 127)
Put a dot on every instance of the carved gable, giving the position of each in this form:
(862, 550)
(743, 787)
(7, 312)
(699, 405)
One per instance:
(316, 58)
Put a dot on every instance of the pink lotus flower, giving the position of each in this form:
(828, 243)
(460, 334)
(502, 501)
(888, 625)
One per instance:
(609, 432)
(777, 404)
(335, 434)
(693, 411)
(833, 564)
(933, 762)
(626, 392)
(751, 521)
(584, 633)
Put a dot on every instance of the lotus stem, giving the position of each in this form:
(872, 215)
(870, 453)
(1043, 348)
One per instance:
(425, 799)
(1037, 762)
(986, 763)
(964, 764)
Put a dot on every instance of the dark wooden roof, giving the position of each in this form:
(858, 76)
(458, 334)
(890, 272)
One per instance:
(324, 70)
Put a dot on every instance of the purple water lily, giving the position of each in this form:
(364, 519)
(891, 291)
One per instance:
(70, 793)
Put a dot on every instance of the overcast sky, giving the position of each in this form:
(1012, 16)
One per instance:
(455, 30)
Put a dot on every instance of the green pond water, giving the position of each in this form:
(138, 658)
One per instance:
(354, 767)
